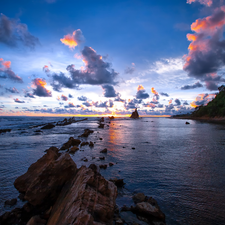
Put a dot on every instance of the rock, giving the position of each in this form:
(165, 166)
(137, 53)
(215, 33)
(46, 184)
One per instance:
(104, 166)
(111, 164)
(13, 217)
(84, 143)
(187, 123)
(38, 131)
(70, 142)
(119, 221)
(111, 117)
(87, 199)
(100, 139)
(101, 125)
(73, 149)
(94, 168)
(48, 126)
(84, 159)
(36, 220)
(102, 119)
(53, 148)
(86, 133)
(134, 114)
(149, 211)
(102, 158)
(21, 197)
(125, 208)
(4, 130)
(93, 157)
(104, 150)
(133, 148)
(45, 178)
(11, 202)
(91, 144)
(139, 197)
(118, 182)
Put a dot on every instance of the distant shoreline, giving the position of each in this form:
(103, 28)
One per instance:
(203, 118)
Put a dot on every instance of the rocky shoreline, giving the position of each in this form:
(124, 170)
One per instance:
(57, 192)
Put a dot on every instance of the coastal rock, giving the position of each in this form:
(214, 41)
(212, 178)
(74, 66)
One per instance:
(135, 114)
(91, 144)
(86, 133)
(44, 179)
(84, 143)
(102, 158)
(87, 199)
(73, 149)
(102, 119)
(104, 150)
(48, 126)
(11, 202)
(118, 182)
(111, 117)
(139, 197)
(187, 123)
(70, 142)
(36, 220)
(101, 125)
(53, 148)
(4, 130)
(111, 164)
(104, 166)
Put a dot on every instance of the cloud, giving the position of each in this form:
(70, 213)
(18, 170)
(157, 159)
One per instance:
(204, 2)
(29, 95)
(18, 101)
(64, 98)
(40, 89)
(70, 96)
(130, 70)
(46, 69)
(207, 48)
(141, 93)
(118, 98)
(12, 90)
(74, 39)
(82, 98)
(87, 104)
(13, 32)
(70, 105)
(210, 85)
(177, 101)
(156, 94)
(109, 91)
(6, 72)
(185, 103)
(202, 99)
(132, 104)
(149, 104)
(96, 72)
(193, 86)
(164, 94)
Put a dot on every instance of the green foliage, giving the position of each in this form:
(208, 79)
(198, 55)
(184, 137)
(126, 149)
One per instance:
(215, 108)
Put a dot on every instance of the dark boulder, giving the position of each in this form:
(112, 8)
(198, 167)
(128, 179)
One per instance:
(48, 126)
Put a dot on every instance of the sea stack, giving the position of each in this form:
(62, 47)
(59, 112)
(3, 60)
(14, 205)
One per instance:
(134, 114)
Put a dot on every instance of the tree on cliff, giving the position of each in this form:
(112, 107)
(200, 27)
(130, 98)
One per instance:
(215, 108)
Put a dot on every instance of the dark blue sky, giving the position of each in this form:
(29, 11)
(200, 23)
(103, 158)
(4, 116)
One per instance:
(141, 43)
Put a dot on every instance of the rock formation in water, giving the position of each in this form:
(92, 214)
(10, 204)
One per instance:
(134, 114)
(59, 193)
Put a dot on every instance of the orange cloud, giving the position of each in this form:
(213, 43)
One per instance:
(72, 40)
(202, 99)
(6, 64)
(154, 91)
(170, 101)
(140, 87)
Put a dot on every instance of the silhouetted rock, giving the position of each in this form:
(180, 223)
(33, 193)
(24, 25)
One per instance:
(86, 133)
(104, 150)
(187, 123)
(111, 117)
(102, 158)
(84, 143)
(70, 142)
(111, 164)
(87, 199)
(48, 126)
(104, 166)
(134, 114)
(91, 144)
(118, 182)
(101, 125)
(102, 119)
(4, 130)
(11, 202)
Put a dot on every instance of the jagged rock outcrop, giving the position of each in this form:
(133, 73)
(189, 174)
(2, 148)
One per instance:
(70, 142)
(88, 199)
(135, 114)
(48, 126)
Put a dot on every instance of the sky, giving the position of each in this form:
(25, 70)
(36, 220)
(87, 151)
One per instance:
(101, 58)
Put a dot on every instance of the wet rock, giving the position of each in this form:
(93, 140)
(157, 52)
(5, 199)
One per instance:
(73, 149)
(187, 123)
(21, 197)
(139, 197)
(100, 139)
(104, 166)
(111, 117)
(52, 148)
(134, 114)
(91, 144)
(133, 148)
(101, 125)
(45, 178)
(104, 150)
(84, 143)
(94, 167)
(48, 126)
(118, 182)
(38, 131)
(70, 142)
(13, 217)
(86, 133)
(11, 202)
(87, 199)
(102, 119)
(102, 158)
(111, 164)
(36, 220)
(4, 130)
(84, 159)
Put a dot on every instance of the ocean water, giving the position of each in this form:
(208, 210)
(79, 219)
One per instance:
(181, 166)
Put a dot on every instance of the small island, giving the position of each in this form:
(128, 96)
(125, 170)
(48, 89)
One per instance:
(135, 114)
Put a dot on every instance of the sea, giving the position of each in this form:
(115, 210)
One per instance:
(181, 165)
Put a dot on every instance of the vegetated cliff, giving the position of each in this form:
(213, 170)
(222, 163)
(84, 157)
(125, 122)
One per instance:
(215, 108)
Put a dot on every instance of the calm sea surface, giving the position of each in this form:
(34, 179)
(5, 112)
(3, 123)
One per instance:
(181, 166)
